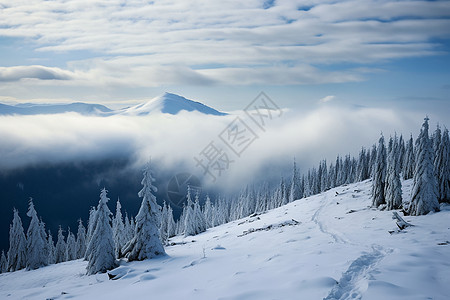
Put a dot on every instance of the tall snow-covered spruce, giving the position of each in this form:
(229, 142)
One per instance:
(442, 167)
(379, 175)
(17, 254)
(37, 247)
(101, 245)
(146, 242)
(424, 195)
(393, 187)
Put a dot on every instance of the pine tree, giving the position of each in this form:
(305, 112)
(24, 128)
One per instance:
(189, 216)
(51, 249)
(129, 229)
(60, 251)
(81, 240)
(363, 166)
(3, 263)
(424, 196)
(199, 216)
(393, 186)
(17, 254)
(71, 246)
(37, 255)
(379, 175)
(209, 212)
(295, 181)
(409, 161)
(91, 224)
(442, 168)
(146, 242)
(118, 228)
(101, 246)
(170, 222)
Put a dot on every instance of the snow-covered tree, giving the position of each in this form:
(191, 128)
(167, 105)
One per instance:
(81, 240)
(363, 166)
(199, 216)
(424, 196)
(3, 263)
(393, 186)
(209, 212)
(189, 216)
(163, 233)
(17, 254)
(60, 252)
(71, 246)
(146, 242)
(409, 160)
(442, 167)
(118, 228)
(51, 249)
(101, 245)
(129, 229)
(170, 222)
(379, 175)
(37, 255)
(294, 193)
(91, 224)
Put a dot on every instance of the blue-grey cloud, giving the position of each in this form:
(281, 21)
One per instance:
(33, 72)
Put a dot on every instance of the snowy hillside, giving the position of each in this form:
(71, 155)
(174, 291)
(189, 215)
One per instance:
(328, 246)
(169, 104)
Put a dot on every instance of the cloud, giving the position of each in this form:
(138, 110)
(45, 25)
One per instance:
(174, 141)
(327, 99)
(162, 43)
(33, 72)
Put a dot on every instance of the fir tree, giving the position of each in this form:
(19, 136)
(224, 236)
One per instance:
(409, 160)
(81, 240)
(17, 254)
(146, 242)
(51, 249)
(424, 193)
(379, 175)
(71, 246)
(295, 181)
(442, 168)
(101, 245)
(60, 251)
(189, 216)
(37, 255)
(209, 212)
(3, 263)
(393, 187)
(118, 229)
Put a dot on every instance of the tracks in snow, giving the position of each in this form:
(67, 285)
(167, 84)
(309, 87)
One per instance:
(353, 282)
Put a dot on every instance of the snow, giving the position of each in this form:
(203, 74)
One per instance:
(326, 246)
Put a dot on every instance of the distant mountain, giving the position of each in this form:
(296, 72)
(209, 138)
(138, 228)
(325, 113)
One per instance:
(45, 109)
(170, 104)
(167, 103)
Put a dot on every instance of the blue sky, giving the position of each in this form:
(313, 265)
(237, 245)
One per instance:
(364, 53)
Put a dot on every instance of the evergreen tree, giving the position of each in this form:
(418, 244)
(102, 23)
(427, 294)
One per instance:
(393, 187)
(442, 168)
(91, 224)
(379, 175)
(71, 246)
(401, 152)
(60, 251)
(163, 227)
(81, 240)
(3, 263)
(409, 161)
(424, 197)
(199, 216)
(51, 249)
(37, 255)
(146, 242)
(170, 222)
(373, 157)
(118, 228)
(363, 166)
(101, 245)
(209, 212)
(189, 216)
(17, 254)
(295, 181)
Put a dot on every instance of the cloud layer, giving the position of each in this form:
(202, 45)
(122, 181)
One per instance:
(137, 43)
(174, 141)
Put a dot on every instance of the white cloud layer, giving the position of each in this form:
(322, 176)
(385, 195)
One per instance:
(173, 141)
(155, 43)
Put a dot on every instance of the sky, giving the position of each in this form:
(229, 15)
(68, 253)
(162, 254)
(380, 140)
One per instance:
(224, 53)
(342, 71)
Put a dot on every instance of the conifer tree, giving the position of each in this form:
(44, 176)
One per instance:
(17, 254)
(101, 245)
(3, 263)
(189, 216)
(146, 242)
(81, 240)
(409, 161)
(424, 196)
(51, 249)
(442, 168)
(71, 246)
(60, 251)
(379, 175)
(37, 254)
(393, 186)
(118, 228)
(295, 181)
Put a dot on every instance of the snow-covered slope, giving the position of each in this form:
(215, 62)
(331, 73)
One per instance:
(170, 104)
(328, 246)
(39, 109)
